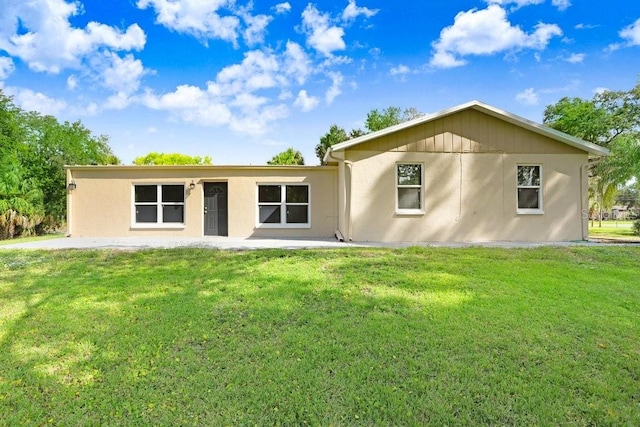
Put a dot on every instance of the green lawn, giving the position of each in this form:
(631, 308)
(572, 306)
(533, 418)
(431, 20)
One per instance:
(547, 336)
(31, 238)
(617, 230)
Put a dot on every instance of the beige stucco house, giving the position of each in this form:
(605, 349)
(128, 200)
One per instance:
(469, 173)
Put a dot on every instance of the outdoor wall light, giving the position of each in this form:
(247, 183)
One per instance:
(192, 185)
(72, 185)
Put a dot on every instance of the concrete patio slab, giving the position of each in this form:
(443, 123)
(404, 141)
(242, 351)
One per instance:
(234, 243)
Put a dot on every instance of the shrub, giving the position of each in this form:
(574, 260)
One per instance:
(636, 227)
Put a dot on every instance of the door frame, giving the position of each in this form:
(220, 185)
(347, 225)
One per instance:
(204, 202)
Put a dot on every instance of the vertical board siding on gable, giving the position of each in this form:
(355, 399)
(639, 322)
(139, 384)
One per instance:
(466, 132)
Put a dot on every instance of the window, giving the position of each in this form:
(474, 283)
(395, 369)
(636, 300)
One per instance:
(283, 205)
(158, 204)
(409, 189)
(529, 189)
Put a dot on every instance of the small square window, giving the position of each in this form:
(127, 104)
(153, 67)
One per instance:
(146, 193)
(270, 214)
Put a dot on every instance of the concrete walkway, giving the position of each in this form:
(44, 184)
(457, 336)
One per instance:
(235, 243)
(132, 243)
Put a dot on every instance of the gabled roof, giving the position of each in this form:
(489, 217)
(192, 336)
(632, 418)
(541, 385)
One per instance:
(589, 147)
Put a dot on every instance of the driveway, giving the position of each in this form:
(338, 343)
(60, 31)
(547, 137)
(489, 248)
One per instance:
(236, 243)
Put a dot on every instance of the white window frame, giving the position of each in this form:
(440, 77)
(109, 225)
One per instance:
(404, 211)
(531, 211)
(158, 204)
(283, 205)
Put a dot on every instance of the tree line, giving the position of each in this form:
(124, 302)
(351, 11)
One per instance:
(33, 151)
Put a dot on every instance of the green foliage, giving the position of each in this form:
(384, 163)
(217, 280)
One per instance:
(610, 119)
(155, 158)
(580, 118)
(21, 201)
(287, 157)
(42, 146)
(376, 120)
(335, 136)
(636, 227)
(628, 195)
(390, 116)
(360, 336)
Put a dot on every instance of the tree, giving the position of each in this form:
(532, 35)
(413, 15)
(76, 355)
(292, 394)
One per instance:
(49, 146)
(611, 119)
(335, 136)
(21, 201)
(41, 146)
(287, 157)
(155, 158)
(390, 116)
(629, 196)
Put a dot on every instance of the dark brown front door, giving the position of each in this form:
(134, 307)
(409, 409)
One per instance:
(215, 209)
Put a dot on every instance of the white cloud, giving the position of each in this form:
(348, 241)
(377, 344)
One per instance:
(191, 104)
(260, 121)
(199, 18)
(351, 12)
(305, 102)
(561, 4)
(281, 8)
(258, 70)
(296, 63)
(117, 101)
(121, 74)
(585, 26)
(50, 43)
(256, 26)
(486, 32)
(335, 89)
(600, 90)
(528, 97)
(631, 34)
(72, 82)
(6, 67)
(321, 35)
(575, 58)
(518, 3)
(30, 100)
(242, 96)
(400, 70)
(211, 19)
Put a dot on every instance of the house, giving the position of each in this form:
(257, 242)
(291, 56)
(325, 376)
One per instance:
(469, 173)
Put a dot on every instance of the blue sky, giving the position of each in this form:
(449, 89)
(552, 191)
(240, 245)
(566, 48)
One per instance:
(241, 81)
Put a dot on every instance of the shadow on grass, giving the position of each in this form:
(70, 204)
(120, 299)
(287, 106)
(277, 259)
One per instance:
(320, 337)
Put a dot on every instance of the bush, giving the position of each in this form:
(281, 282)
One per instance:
(636, 227)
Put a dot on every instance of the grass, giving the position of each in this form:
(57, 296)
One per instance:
(615, 230)
(48, 236)
(416, 336)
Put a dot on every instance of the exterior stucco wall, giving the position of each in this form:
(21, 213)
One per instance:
(468, 197)
(101, 205)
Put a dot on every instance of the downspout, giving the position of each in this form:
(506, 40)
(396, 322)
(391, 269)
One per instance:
(349, 217)
(583, 212)
(347, 185)
(69, 202)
